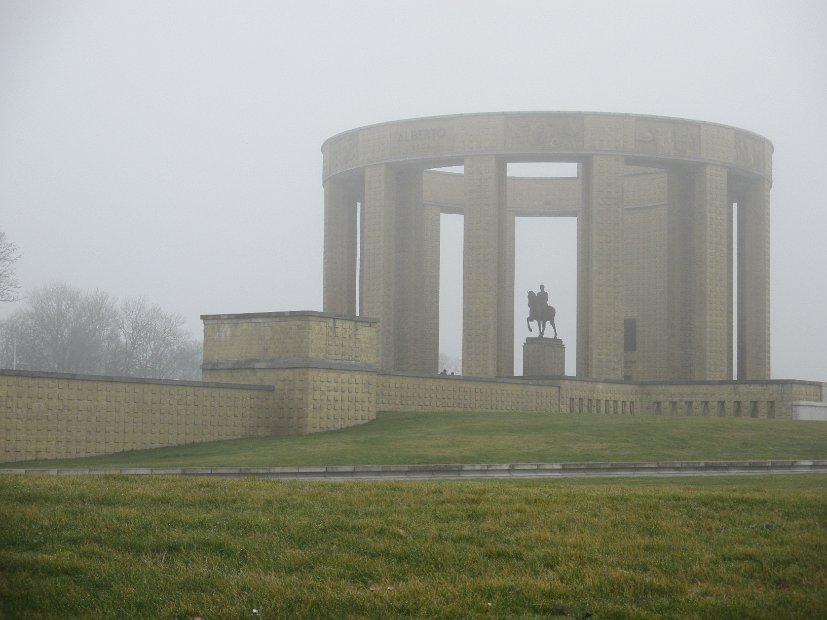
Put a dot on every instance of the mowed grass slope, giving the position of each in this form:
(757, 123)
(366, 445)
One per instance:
(413, 438)
(125, 547)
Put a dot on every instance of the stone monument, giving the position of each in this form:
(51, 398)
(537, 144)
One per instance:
(542, 357)
(654, 199)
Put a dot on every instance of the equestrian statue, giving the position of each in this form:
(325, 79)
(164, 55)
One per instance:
(540, 311)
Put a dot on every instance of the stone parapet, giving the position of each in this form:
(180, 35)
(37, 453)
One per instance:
(407, 392)
(323, 366)
(49, 415)
(306, 334)
(45, 415)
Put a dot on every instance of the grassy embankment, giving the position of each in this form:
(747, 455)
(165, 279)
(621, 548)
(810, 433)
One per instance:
(124, 547)
(412, 438)
(720, 547)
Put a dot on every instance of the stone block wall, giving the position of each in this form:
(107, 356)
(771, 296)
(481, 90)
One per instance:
(322, 366)
(302, 335)
(604, 397)
(309, 400)
(297, 373)
(544, 357)
(809, 410)
(403, 392)
(747, 399)
(48, 415)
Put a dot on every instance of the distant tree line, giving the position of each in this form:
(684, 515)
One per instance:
(8, 258)
(64, 329)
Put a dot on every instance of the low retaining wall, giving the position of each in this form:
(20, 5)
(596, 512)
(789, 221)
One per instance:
(408, 392)
(288, 373)
(749, 399)
(48, 415)
(809, 410)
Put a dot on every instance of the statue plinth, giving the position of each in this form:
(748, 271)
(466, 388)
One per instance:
(544, 357)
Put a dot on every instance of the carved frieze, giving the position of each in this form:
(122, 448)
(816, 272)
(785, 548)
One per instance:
(344, 152)
(552, 134)
(667, 137)
(421, 138)
(717, 143)
(749, 152)
(544, 133)
(479, 134)
(373, 144)
(604, 132)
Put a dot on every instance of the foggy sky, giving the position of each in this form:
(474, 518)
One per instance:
(172, 149)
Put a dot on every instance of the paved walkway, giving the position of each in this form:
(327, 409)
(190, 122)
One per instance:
(420, 472)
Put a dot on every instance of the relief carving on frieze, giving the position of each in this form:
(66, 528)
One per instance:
(479, 135)
(421, 139)
(664, 137)
(749, 152)
(545, 133)
(373, 144)
(344, 152)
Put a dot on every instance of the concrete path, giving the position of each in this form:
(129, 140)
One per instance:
(457, 471)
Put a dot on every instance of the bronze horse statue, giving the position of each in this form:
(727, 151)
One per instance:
(540, 312)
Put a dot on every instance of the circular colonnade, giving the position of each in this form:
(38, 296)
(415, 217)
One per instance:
(654, 199)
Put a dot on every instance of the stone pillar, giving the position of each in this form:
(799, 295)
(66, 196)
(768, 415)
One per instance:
(698, 289)
(712, 292)
(754, 281)
(417, 277)
(378, 292)
(679, 276)
(339, 296)
(400, 268)
(488, 271)
(430, 242)
(505, 340)
(600, 270)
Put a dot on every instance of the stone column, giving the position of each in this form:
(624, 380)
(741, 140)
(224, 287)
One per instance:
(378, 292)
(488, 271)
(505, 347)
(400, 268)
(429, 343)
(339, 294)
(679, 276)
(698, 289)
(600, 270)
(712, 293)
(754, 281)
(417, 277)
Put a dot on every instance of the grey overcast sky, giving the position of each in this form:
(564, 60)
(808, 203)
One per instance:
(171, 149)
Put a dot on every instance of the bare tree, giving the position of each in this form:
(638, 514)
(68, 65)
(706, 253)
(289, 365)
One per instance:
(151, 343)
(8, 260)
(68, 330)
(63, 330)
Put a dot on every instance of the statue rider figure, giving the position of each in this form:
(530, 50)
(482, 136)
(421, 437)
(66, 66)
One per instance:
(540, 311)
(542, 298)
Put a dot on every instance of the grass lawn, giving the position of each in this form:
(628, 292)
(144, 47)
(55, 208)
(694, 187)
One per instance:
(412, 438)
(125, 547)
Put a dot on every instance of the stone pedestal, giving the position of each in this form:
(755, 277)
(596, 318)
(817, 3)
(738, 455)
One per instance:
(544, 357)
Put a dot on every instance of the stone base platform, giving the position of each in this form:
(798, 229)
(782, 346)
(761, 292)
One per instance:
(544, 357)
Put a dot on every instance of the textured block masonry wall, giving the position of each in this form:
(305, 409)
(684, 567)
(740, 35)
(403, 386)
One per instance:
(286, 335)
(323, 366)
(46, 415)
(400, 392)
(309, 372)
